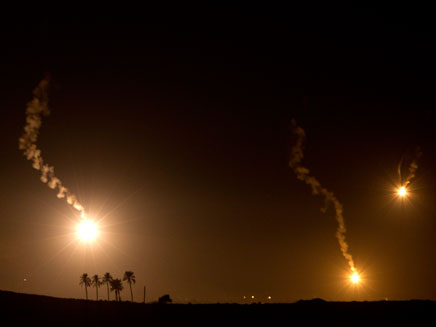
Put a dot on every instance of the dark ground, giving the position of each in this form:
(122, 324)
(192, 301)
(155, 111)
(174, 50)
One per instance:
(44, 310)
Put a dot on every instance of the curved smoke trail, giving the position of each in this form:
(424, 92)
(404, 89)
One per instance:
(303, 175)
(37, 108)
(413, 166)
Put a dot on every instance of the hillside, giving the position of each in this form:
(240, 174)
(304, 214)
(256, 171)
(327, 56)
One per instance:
(61, 312)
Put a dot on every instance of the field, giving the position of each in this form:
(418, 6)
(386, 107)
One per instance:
(44, 310)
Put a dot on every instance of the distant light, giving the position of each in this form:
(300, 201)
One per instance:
(252, 296)
(25, 279)
(269, 297)
(244, 297)
(402, 191)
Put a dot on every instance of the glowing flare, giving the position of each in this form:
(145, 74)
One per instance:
(355, 278)
(402, 191)
(87, 230)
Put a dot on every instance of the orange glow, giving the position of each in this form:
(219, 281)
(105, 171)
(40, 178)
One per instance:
(87, 230)
(355, 278)
(402, 191)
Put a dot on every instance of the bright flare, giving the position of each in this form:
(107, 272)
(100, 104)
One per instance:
(87, 230)
(402, 191)
(355, 278)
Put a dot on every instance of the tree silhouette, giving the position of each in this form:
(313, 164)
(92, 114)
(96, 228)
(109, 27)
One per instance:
(85, 280)
(117, 286)
(129, 276)
(107, 280)
(96, 282)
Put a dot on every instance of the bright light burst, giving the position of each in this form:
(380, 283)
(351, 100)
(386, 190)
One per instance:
(87, 230)
(402, 191)
(355, 278)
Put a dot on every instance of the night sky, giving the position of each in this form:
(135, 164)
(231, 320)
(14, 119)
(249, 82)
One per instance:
(174, 130)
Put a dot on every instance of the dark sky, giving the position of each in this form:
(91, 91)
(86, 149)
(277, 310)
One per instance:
(173, 128)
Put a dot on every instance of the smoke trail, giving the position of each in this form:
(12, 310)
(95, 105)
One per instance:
(412, 168)
(399, 170)
(37, 108)
(302, 174)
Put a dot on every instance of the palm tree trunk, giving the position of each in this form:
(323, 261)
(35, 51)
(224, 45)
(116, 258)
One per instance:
(131, 293)
(96, 289)
(107, 284)
(86, 290)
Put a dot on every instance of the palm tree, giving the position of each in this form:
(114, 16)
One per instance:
(85, 280)
(117, 286)
(96, 282)
(106, 280)
(129, 276)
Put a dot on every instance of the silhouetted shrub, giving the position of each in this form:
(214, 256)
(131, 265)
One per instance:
(165, 299)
